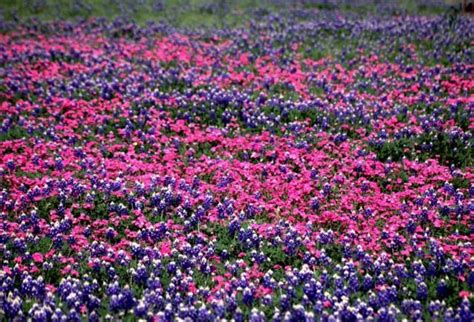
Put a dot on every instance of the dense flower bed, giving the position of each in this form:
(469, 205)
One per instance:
(299, 168)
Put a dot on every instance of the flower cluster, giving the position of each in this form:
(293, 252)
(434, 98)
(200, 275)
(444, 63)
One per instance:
(301, 168)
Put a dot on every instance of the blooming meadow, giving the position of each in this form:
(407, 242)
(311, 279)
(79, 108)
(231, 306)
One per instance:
(311, 166)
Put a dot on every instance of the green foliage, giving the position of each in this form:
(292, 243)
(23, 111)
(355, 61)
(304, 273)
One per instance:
(428, 145)
(183, 13)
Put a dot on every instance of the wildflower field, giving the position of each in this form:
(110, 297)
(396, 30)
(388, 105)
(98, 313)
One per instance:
(275, 160)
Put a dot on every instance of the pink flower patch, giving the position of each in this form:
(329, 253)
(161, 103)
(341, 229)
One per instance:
(37, 257)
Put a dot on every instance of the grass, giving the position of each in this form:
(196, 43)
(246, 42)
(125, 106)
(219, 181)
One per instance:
(48, 10)
(191, 14)
(195, 13)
